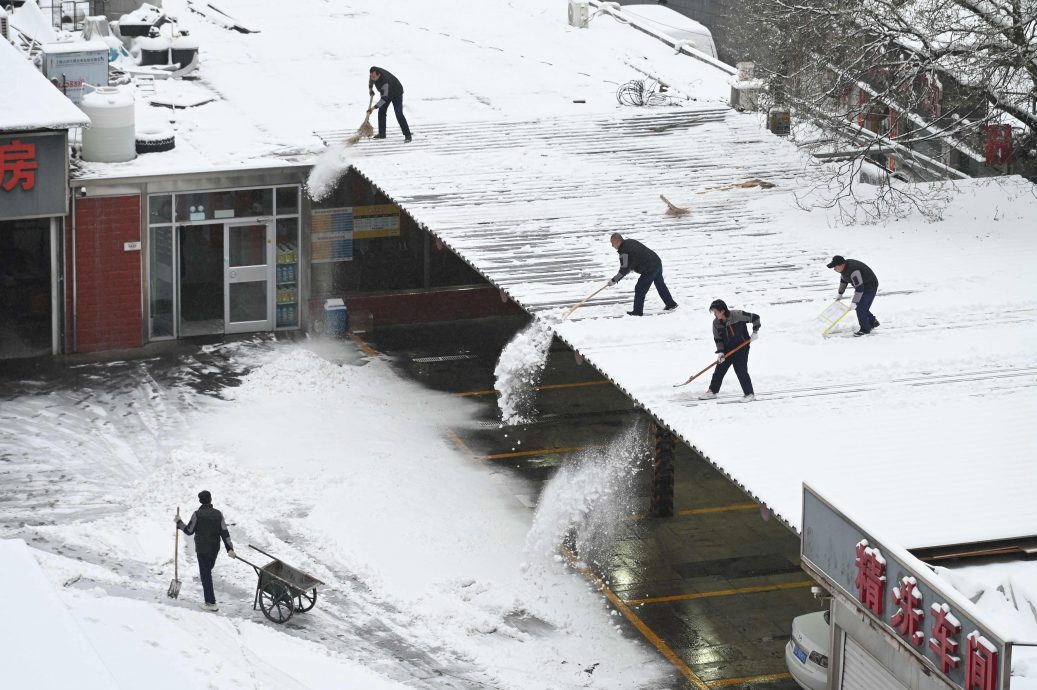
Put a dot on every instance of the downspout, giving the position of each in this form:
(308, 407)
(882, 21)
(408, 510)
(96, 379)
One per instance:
(75, 284)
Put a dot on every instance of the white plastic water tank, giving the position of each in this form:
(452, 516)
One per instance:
(111, 136)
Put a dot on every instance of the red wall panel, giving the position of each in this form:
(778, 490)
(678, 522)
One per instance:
(108, 278)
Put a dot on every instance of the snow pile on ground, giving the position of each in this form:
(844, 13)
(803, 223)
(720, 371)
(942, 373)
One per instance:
(1007, 595)
(521, 366)
(587, 499)
(341, 471)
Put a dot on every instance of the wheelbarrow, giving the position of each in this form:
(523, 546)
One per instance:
(281, 590)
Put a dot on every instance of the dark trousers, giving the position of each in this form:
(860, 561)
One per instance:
(641, 289)
(740, 361)
(397, 106)
(206, 562)
(865, 318)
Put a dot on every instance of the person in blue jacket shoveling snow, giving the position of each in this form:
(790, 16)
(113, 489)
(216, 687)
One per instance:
(634, 256)
(732, 339)
(865, 287)
(208, 527)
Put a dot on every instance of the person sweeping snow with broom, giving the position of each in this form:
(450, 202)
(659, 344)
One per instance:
(390, 90)
(208, 527)
(634, 256)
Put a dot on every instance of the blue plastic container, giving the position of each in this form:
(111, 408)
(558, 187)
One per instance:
(336, 317)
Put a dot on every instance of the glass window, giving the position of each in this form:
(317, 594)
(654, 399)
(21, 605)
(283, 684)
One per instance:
(160, 249)
(160, 208)
(236, 203)
(247, 245)
(287, 201)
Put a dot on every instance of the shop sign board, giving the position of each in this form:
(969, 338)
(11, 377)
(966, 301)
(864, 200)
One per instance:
(333, 230)
(905, 597)
(33, 175)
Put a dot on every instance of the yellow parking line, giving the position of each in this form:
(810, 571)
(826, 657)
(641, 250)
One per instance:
(636, 621)
(722, 593)
(719, 509)
(364, 347)
(749, 679)
(543, 451)
(548, 387)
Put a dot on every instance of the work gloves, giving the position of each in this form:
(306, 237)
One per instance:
(230, 552)
(755, 335)
(720, 357)
(840, 296)
(612, 283)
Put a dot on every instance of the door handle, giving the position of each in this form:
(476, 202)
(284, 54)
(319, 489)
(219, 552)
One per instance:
(233, 274)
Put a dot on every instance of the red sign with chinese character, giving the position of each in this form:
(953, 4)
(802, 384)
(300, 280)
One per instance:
(980, 663)
(17, 165)
(871, 577)
(999, 144)
(945, 628)
(908, 618)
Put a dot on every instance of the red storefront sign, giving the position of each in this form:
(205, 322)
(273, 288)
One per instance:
(18, 165)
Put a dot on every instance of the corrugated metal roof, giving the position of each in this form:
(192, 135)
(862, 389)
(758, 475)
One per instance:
(530, 205)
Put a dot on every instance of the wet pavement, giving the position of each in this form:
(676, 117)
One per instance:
(714, 588)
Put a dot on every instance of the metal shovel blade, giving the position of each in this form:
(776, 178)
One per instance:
(174, 589)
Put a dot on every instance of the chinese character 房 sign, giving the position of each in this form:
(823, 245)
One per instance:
(33, 175)
(902, 594)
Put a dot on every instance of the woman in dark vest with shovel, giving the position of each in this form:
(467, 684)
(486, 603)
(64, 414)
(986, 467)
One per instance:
(208, 527)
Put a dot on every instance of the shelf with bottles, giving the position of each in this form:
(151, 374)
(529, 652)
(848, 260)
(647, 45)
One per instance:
(287, 294)
(287, 263)
(287, 315)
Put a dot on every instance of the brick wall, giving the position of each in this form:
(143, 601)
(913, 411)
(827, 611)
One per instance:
(108, 278)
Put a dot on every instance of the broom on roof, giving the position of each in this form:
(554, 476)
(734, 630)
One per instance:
(365, 130)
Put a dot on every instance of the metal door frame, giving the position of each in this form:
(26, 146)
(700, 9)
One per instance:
(230, 277)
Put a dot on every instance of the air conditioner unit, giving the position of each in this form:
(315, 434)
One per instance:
(779, 121)
(5, 25)
(579, 13)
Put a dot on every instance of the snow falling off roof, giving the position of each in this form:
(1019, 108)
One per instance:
(30, 101)
(924, 426)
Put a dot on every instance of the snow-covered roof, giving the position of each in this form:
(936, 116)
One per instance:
(30, 101)
(925, 426)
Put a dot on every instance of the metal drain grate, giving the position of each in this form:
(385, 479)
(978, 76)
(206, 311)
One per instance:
(442, 358)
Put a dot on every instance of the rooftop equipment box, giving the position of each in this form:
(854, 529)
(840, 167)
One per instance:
(72, 64)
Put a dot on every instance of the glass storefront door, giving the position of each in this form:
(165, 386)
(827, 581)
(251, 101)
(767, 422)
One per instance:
(249, 261)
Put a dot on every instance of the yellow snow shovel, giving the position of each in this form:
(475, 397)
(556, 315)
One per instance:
(174, 587)
(833, 314)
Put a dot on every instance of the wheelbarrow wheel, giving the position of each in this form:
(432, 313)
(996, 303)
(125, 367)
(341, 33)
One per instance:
(276, 602)
(306, 601)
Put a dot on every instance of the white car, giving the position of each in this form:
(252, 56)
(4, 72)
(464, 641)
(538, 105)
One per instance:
(806, 654)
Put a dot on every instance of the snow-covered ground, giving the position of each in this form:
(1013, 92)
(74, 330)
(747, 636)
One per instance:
(436, 575)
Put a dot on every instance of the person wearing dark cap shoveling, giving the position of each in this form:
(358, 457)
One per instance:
(634, 256)
(865, 287)
(390, 90)
(208, 527)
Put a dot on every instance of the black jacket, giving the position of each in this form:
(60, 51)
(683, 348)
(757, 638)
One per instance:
(634, 256)
(732, 332)
(387, 86)
(208, 527)
(862, 278)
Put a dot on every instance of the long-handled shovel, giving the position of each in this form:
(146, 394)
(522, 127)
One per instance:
(711, 365)
(174, 586)
(586, 299)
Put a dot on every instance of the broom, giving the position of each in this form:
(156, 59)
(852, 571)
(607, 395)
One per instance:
(174, 587)
(365, 130)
